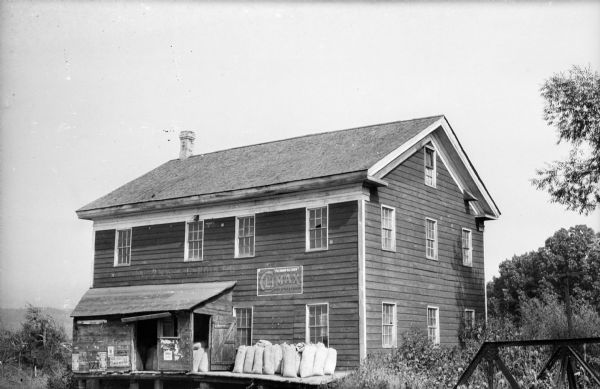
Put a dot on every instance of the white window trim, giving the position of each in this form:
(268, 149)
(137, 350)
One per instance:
(462, 249)
(437, 320)
(251, 321)
(116, 256)
(393, 248)
(186, 253)
(472, 319)
(306, 322)
(434, 174)
(394, 325)
(435, 241)
(237, 244)
(307, 229)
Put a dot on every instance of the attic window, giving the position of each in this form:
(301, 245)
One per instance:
(430, 168)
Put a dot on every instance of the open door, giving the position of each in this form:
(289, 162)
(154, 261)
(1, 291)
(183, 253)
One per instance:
(222, 342)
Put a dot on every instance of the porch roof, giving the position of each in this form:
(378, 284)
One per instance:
(124, 300)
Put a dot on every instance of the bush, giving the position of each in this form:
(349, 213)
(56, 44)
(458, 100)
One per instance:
(417, 364)
(545, 318)
(62, 379)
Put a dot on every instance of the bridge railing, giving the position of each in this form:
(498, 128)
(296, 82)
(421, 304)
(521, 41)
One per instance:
(563, 351)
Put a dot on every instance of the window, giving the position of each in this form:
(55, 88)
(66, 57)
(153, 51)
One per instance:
(123, 247)
(243, 318)
(469, 319)
(244, 241)
(169, 326)
(431, 239)
(388, 325)
(388, 228)
(467, 248)
(195, 238)
(433, 328)
(316, 228)
(317, 323)
(430, 162)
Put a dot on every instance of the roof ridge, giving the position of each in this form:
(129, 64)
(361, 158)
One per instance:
(307, 135)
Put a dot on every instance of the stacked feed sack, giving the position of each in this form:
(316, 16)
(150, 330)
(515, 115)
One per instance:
(308, 360)
(330, 361)
(200, 357)
(257, 366)
(288, 367)
(320, 357)
(278, 356)
(303, 360)
(240, 356)
(269, 360)
(249, 359)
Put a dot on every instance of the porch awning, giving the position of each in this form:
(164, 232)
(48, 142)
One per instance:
(125, 300)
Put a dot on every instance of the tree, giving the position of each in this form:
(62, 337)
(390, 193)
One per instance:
(539, 273)
(573, 107)
(44, 340)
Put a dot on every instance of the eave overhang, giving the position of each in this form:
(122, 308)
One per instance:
(235, 195)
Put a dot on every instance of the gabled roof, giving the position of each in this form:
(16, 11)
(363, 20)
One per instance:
(323, 155)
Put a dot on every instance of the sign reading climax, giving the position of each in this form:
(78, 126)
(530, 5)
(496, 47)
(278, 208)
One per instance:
(279, 280)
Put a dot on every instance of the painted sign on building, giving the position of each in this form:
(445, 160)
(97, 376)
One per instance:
(279, 280)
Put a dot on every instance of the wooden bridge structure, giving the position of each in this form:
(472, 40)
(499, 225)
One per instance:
(564, 351)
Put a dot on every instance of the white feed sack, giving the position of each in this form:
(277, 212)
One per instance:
(278, 357)
(330, 361)
(308, 360)
(288, 368)
(320, 356)
(249, 359)
(196, 356)
(257, 366)
(269, 360)
(240, 356)
(203, 367)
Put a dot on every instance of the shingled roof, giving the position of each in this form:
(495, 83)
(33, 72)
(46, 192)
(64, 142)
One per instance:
(305, 157)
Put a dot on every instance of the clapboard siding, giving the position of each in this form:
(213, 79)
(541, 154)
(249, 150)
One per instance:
(329, 276)
(406, 277)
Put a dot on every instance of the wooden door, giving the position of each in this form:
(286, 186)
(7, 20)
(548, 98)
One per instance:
(222, 342)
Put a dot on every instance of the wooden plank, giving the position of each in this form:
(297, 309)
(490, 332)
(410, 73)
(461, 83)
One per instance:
(145, 317)
(511, 380)
(584, 365)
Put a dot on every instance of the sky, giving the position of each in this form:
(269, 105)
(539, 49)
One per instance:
(94, 94)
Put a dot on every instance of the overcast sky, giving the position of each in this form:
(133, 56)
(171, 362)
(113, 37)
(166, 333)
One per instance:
(94, 95)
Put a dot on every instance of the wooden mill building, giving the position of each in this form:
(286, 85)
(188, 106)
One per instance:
(348, 237)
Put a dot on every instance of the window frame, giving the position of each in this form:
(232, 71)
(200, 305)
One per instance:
(465, 321)
(251, 308)
(186, 253)
(467, 261)
(237, 237)
(117, 247)
(433, 183)
(393, 229)
(307, 213)
(307, 322)
(394, 325)
(436, 341)
(435, 239)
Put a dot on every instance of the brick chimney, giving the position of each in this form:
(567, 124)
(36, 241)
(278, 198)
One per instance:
(187, 144)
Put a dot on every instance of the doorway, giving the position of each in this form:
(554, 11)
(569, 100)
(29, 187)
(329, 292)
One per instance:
(146, 339)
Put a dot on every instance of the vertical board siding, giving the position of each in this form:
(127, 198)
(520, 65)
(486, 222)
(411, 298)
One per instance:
(406, 277)
(329, 276)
